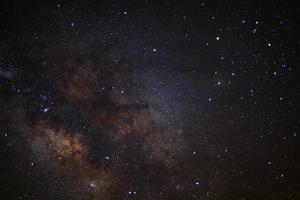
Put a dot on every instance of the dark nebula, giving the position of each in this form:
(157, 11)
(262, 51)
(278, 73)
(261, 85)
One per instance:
(149, 100)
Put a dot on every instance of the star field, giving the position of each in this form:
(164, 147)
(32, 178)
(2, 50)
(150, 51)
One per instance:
(149, 100)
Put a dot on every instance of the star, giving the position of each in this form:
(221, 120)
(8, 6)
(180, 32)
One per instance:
(45, 110)
(92, 184)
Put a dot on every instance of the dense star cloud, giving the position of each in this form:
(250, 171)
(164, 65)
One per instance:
(149, 100)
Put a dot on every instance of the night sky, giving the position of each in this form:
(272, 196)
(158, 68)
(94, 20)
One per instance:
(149, 100)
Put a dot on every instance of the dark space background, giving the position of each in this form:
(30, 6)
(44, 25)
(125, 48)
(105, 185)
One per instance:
(149, 100)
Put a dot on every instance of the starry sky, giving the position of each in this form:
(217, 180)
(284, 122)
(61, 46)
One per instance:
(149, 100)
